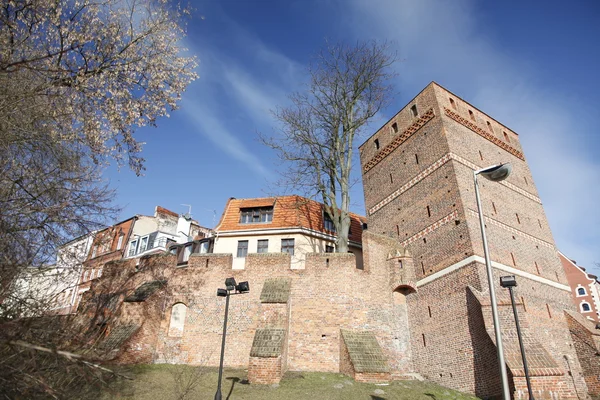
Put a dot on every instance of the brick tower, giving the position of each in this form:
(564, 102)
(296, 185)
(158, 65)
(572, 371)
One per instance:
(418, 185)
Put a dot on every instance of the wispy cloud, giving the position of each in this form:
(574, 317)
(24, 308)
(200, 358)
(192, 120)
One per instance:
(443, 41)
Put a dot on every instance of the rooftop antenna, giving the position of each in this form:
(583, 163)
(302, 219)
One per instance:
(188, 215)
(214, 219)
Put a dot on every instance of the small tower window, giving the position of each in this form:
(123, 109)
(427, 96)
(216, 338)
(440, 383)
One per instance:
(395, 127)
(518, 219)
(490, 127)
(414, 111)
(377, 144)
(391, 178)
(472, 115)
(506, 137)
(428, 211)
(417, 158)
(480, 155)
(452, 103)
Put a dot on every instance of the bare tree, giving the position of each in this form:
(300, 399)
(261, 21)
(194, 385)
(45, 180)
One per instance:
(348, 86)
(77, 78)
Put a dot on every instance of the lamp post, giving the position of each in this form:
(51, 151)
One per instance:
(510, 282)
(494, 173)
(241, 288)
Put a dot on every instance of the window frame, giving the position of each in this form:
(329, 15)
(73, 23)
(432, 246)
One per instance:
(329, 248)
(241, 249)
(285, 245)
(256, 215)
(579, 288)
(265, 246)
(584, 304)
(328, 224)
(132, 246)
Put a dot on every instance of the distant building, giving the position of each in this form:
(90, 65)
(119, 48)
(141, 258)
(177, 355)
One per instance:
(285, 224)
(584, 288)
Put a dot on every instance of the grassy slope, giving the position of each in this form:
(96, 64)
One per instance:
(157, 382)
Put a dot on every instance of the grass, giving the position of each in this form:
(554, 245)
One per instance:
(180, 382)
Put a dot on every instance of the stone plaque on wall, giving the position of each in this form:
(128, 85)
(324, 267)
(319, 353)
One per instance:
(267, 342)
(276, 290)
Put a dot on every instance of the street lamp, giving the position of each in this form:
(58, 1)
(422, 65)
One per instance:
(494, 173)
(510, 282)
(241, 288)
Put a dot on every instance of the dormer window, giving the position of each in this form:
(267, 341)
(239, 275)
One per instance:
(256, 215)
(328, 223)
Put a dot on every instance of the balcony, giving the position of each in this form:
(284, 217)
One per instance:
(146, 243)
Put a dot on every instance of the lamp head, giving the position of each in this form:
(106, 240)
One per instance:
(222, 292)
(508, 281)
(242, 287)
(230, 283)
(497, 172)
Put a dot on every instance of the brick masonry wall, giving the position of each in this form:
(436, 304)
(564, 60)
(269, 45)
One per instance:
(422, 194)
(586, 340)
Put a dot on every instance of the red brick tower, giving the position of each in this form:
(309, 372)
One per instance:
(418, 184)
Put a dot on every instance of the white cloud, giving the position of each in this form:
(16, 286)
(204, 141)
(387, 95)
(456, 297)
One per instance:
(442, 41)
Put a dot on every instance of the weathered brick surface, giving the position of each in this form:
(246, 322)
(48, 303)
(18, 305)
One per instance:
(586, 339)
(422, 195)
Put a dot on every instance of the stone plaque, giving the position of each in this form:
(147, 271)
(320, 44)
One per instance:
(365, 353)
(276, 290)
(268, 342)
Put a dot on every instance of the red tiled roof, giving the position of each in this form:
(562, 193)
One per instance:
(162, 210)
(288, 212)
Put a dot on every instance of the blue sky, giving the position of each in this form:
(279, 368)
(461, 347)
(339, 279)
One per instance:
(531, 65)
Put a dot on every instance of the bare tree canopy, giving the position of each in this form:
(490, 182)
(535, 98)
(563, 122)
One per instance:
(77, 77)
(348, 86)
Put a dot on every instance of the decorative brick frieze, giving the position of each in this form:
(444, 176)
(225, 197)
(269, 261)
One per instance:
(483, 133)
(430, 169)
(512, 230)
(411, 130)
(450, 217)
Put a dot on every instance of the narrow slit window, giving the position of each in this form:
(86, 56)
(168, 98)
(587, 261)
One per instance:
(472, 115)
(506, 137)
(429, 309)
(518, 219)
(423, 267)
(494, 208)
(490, 127)
(377, 144)
(513, 259)
(424, 343)
(391, 179)
(537, 268)
(428, 211)
(480, 155)
(395, 127)
(425, 240)
(540, 223)
(524, 305)
(414, 111)
(526, 182)
(398, 230)
(452, 103)
(417, 158)
(549, 311)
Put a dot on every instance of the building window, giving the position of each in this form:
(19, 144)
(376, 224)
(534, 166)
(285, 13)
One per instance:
(242, 250)
(262, 246)
(377, 144)
(414, 111)
(177, 323)
(490, 126)
(120, 242)
(132, 247)
(187, 251)
(143, 244)
(581, 291)
(585, 307)
(257, 215)
(506, 137)
(395, 127)
(328, 223)
(287, 246)
(472, 115)
(452, 103)
(329, 249)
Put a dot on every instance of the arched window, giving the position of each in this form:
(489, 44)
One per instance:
(581, 291)
(585, 307)
(177, 323)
